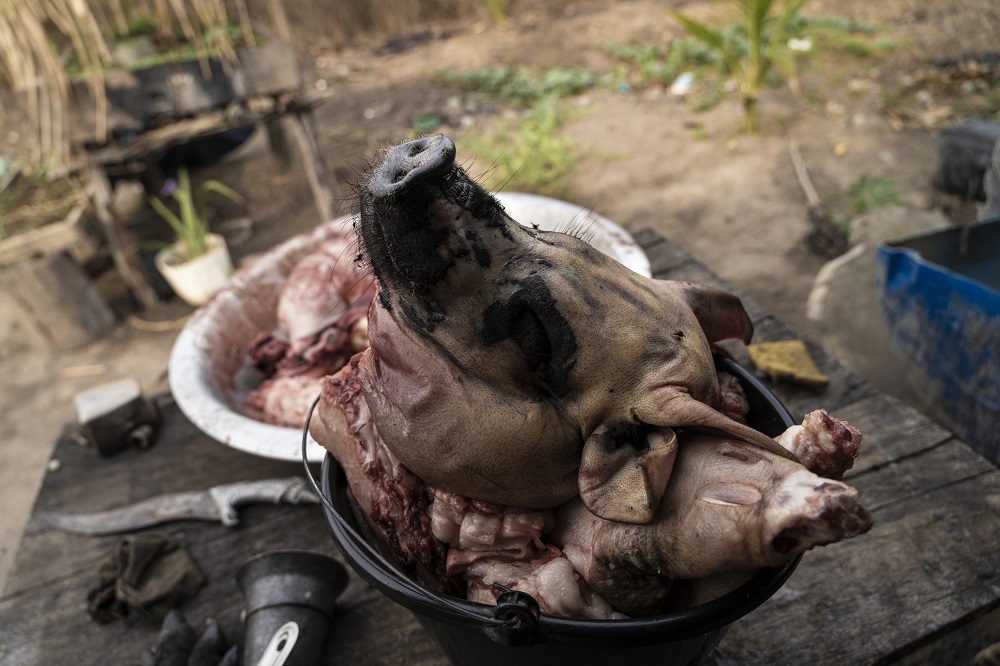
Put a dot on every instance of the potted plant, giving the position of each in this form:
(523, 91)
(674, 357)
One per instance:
(198, 263)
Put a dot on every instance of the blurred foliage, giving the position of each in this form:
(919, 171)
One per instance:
(34, 34)
(867, 193)
(522, 85)
(767, 26)
(527, 153)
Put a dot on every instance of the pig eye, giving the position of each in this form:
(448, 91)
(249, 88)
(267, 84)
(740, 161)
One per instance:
(742, 454)
(530, 319)
(530, 335)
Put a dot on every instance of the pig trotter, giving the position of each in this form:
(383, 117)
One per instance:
(825, 445)
(811, 512)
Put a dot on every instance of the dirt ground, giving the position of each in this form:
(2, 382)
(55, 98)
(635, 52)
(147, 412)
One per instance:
(647, 159)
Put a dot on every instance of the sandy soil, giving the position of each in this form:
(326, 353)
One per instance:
(647, 160)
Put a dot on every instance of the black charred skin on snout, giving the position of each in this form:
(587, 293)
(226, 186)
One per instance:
(530, 318)
(401, 246)
(408, 249)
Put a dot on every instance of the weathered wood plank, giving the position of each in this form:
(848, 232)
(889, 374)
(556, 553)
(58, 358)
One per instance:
(930, 563)
(664, 256)
(59, 299)
(72, 234)
(930, 566)
(237, 115)
(128, 477)
(647, 238)
(312, 159)
(123, 248)
(43, 612)
(891, 429)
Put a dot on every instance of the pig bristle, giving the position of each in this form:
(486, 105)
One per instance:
(582, 226)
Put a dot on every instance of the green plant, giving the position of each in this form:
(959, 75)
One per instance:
(523, 85)
(867, 193)
(190, 224)
(36, 34)
(859, 39)
(646, 64)
(497, 9)
(767, 30)
(528, 154)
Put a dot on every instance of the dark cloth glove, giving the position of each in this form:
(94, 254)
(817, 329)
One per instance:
(149, 573)
(178, 645)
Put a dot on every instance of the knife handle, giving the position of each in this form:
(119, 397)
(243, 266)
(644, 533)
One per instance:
(231, 497)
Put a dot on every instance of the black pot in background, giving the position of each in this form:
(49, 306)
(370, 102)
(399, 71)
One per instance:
(472, 633)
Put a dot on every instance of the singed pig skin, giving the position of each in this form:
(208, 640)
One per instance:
(525, 367)
(730, 507)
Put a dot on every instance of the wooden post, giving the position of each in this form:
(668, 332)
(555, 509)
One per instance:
(126, 262)
(312, 160)
(280, 20)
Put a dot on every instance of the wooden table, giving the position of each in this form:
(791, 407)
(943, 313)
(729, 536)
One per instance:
(925, 580)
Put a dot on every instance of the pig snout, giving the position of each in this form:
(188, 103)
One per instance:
(407, 164)
(806, 511)
(750, 508)
(730, 507)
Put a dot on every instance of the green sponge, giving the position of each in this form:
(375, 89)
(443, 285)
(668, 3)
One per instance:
(787, 360)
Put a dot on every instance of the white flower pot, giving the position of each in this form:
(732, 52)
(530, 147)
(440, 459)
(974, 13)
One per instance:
(198, 279)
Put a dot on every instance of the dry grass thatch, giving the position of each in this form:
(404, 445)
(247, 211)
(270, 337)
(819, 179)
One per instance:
(36, 36)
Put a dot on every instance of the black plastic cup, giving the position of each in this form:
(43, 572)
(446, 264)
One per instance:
(289, 586)
(513, 632)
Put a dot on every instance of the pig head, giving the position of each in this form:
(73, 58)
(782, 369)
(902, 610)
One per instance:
(524, 367)
(731, 508)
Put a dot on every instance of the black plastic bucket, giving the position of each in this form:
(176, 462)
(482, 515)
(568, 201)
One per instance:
(515, 633)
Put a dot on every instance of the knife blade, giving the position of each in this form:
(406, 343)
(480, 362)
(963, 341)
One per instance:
(219, 503)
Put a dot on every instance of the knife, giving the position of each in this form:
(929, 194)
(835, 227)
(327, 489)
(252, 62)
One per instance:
(219, 503)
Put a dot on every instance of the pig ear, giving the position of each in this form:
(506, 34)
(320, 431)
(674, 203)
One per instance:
(621, 482)
(676, 408)
(720, 313)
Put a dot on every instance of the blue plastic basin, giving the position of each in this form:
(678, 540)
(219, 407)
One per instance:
(940, 298)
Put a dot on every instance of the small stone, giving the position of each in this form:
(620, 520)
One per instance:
(53, 465)
(802, 45)
(682, 84)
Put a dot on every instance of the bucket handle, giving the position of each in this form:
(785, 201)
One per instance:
(519, 613)
(515, 619)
